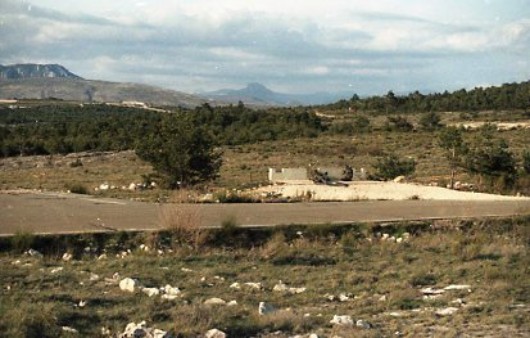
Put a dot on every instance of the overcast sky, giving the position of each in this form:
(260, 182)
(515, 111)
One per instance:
(365, 47)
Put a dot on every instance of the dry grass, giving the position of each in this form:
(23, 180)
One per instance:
(183, 221)
(492, 257)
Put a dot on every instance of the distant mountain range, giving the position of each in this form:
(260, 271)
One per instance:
(34, 81)
(41, 81)
(258, 94)
(30, 71)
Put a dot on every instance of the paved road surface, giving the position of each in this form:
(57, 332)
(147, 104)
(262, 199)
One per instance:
(67, 213)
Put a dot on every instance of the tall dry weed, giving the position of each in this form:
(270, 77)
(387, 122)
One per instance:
(183, 221)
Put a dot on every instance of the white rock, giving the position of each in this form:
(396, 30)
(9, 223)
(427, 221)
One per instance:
(342, 320)
(235, 285)
(101, 257)
(343, 297)
(104, 186)
(458, 287)
(67, 257)
(169, 297)
(93, 277)
(256, 286)
(399, 240)
(82, 303)
(215, 333)
(363, 324)
(128, 284)
(186, 270)
(105, 331)
(265, 308)
(431, 291)
(69, 329)
(215, 301)
(151, 292)
(232, 303)
(382, 298)
(170, 290)
(157, 333)
(34, 253)
(57, 269)
(281, 287)
(141, 330)
(448, 311)
(313, 335)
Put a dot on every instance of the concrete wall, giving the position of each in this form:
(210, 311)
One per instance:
(287, 174)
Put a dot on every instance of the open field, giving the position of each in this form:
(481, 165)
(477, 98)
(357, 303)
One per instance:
(243, 166)
(406, 280)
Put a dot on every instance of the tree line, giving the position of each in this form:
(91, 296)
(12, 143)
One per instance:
(509, 96)
(61, 129)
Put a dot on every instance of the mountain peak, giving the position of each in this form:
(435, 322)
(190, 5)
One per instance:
(33, 70)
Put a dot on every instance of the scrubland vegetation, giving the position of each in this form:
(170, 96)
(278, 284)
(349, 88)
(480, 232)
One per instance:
(381, 273)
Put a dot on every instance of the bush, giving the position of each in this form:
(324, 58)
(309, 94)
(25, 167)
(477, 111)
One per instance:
(526, 161)
(78, 188)
(391, 166)
(181, 153)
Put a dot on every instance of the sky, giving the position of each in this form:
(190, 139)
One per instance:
(357, 46)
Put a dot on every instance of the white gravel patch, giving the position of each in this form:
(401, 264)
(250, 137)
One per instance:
(369, 190)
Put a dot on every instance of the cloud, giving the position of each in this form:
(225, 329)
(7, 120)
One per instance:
(204, 44)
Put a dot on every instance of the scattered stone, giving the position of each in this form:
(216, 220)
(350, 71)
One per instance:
(431, 291)
(215, 333)
(67, 257)
(235, 285)
(458, 301)
(265, 308)
(69, 329)
(363, 324)
(168, 297)
(57, 269)
(105, 331)
(215, 301)
(171, 291)
(93, 277)
(104, 186)
(232, 303)
(143, 247)
(33, 253)
(458, 287)
(382, 298)
(82, 303)
(186, 270)
(102, 256)
(342, 320)
(151, 292)
(448, 311)
(128, 284)
(344, 297)
(256, 286)
(140, 330)
(281, 287)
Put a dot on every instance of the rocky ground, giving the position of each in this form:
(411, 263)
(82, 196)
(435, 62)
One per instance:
(362, 282)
